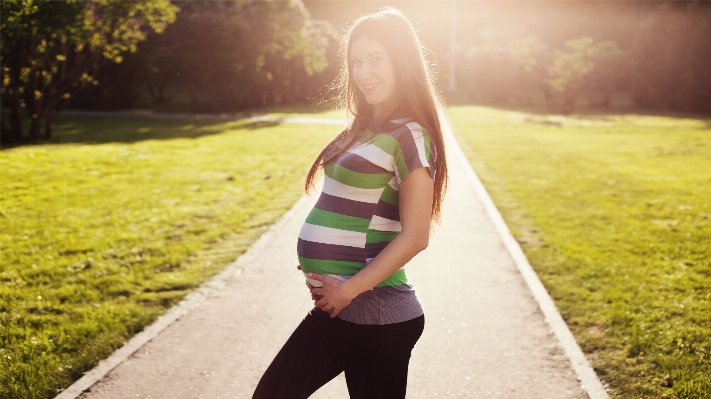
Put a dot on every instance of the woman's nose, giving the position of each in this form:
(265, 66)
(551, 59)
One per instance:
(364, 71)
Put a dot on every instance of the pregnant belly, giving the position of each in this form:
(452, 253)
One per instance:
(325, 259)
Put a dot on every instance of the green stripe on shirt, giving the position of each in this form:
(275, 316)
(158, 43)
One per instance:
(386, 143)
(339, 267)
(319, 217)
(380, 236)
(397, 278)
(355, 179)
(391, 196)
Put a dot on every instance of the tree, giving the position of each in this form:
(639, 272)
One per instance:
(51, 50)
(508, 67)
(237, 54)
(672, 58)
(574, 68)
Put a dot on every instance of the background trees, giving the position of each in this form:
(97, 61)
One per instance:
(226, 56)
(672, 58)
(218, 56)
(585, 67)
(649, 56)
(521, 61)
(232, 55)
(53, 49)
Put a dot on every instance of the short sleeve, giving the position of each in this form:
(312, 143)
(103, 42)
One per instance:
(414, 150)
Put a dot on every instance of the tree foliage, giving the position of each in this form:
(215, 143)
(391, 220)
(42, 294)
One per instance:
(53, 49)
(226, 56)
(518, 67)
(583, 65)
(672, 58)
(507, 66)
(231, 56)
(652, 56)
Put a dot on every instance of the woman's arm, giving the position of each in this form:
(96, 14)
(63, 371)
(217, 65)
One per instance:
(416, 193)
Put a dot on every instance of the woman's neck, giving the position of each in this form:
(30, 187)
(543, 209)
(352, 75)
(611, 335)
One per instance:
(382, 110)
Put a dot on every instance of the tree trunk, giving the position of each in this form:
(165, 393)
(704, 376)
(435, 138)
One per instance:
(48, 125)
(12, 132)
(53, 111)
(7, 135)
(16, 121)
(34, 127)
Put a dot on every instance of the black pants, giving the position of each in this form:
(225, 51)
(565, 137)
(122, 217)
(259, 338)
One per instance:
(373, 357)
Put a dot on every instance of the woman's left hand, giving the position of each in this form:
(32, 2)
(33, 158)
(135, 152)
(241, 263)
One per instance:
(333, 296)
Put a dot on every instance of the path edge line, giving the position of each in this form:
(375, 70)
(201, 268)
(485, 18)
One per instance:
(589, 380)
(191, 301)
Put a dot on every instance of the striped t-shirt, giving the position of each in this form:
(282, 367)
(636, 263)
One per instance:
(357, 215)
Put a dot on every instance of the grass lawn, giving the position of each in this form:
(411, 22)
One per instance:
(117, 219)
(614, 213)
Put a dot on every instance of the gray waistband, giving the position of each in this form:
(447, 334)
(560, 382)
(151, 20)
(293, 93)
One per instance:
(384, 305)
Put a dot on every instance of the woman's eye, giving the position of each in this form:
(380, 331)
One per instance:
(356, 63)
(377, 60)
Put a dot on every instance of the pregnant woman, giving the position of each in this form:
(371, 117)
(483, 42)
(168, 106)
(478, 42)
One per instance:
(385, 177)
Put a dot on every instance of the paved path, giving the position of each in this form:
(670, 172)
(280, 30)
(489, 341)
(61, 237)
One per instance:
(485, 335)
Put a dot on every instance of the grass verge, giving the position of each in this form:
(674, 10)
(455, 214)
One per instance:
(614, 214)
(117, 219)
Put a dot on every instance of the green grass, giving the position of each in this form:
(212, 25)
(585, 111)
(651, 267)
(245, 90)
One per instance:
(117, 219)
(614, 213)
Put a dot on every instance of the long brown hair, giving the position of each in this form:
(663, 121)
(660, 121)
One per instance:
(414, 83)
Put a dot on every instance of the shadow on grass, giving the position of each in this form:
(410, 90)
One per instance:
(184, 106)
(114, 129)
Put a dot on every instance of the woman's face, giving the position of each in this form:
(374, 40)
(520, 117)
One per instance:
(373, 73)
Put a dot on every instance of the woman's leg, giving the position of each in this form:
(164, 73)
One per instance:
(376, 358)
(307, 361)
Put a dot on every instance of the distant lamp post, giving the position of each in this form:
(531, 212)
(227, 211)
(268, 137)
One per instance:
(453, 48)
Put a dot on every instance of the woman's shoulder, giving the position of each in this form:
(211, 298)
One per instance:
(406, 126)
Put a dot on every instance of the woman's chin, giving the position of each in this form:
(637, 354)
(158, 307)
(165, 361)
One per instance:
(373, 101)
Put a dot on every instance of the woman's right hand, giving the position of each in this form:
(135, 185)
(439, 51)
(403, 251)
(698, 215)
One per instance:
(313, 297)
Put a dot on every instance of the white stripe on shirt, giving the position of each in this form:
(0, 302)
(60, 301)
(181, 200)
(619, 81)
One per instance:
(338, 189)
(382, 224)
(328, 235)
(419, 138)
(375, 155)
